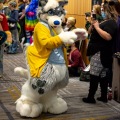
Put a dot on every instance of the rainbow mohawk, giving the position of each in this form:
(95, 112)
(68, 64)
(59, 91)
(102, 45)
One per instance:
(31, 17)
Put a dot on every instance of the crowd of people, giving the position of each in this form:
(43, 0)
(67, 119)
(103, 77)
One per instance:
(15, 21)
(101, 48)
(104, 41)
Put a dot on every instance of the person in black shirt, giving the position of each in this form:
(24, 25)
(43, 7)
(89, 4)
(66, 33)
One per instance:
(100, 50)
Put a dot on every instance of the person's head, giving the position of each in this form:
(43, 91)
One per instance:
(26, 1)
(71, 21)
(1, 4)
(97, 9)
(12, 5)
(109, 9)
(102, 6)
(76, 45)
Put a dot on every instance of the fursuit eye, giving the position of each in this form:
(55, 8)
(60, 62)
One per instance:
(59, 14)
(50, 12)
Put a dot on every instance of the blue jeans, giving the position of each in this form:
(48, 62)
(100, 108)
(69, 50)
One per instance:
(15, 38)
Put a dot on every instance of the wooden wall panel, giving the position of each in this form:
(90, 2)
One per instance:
(80, 7)
(80, 20)
(77, 9)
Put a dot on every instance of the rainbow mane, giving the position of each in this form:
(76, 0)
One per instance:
(31, 17)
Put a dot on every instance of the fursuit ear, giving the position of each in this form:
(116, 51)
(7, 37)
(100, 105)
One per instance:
(51, 4)
(63, 2)
(40, 10)
(42, 3)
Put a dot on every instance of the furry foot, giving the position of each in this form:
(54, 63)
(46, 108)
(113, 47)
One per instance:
(58, 107)
(28, 108)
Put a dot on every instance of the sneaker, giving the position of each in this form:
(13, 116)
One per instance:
(89, 100)
(102, 99)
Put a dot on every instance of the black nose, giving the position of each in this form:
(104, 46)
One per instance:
(56, 22)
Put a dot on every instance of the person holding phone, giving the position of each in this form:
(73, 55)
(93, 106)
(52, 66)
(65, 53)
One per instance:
(95, 14)
(100, 50)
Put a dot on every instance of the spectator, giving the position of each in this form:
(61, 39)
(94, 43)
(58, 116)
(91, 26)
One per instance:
(75, 60)
(4, 27)
(4, 9)
(70, 25)
(12, 20)
(21, 11)
(116, 60)
(100, 49)
(97, 11)
(102, 12)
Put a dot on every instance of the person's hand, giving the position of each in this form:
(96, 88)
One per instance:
(7, 17)
(1, 18)
(96, 24)
(93, 21)
(69, 65)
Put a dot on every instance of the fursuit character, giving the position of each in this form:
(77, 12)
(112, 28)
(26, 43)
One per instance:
(46, 60)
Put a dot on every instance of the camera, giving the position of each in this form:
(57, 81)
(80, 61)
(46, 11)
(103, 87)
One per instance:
(87, 14)
(94, 16)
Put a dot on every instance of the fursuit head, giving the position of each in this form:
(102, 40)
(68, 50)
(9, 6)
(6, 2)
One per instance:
(46, 62)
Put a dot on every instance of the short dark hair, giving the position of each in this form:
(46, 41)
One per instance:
(77, 44)
(117, 7)
(13, 4)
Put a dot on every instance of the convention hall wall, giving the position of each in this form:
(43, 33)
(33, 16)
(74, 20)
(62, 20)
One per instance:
(77, 9)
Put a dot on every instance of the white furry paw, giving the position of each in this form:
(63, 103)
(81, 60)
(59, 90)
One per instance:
(68, 37)
(59, 106)
(81, 33)
(27, 108)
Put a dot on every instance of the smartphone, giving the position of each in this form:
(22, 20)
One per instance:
(94, 16)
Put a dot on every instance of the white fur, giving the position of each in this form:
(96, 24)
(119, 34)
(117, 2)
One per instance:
(57, 28)
(21, 71)
(68, 37)
(82, 33)
(31, 104)
(51, 4)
